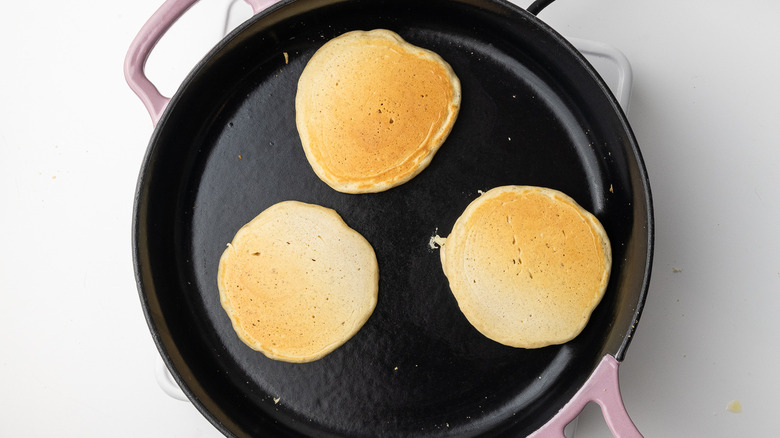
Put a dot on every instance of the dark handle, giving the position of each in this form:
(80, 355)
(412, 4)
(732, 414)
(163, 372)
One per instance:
(538, 5)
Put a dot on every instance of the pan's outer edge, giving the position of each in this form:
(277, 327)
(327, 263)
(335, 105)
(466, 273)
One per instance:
(156, 321)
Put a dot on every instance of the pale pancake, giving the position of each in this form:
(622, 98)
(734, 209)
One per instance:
(372, 110)
(527, 265)
(297, 282)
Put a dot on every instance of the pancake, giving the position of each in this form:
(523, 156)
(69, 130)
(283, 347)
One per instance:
(372, 110)
(527, 265)
(297, 282)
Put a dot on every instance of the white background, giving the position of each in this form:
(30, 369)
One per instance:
(76, 357)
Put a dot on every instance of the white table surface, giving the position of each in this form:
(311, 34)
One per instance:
(76, 357)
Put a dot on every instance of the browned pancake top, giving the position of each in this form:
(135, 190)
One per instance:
(527, 265)
(297, 282)
(372, 110)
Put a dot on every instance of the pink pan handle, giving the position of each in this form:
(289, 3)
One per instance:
(144, 42)
(603, 388)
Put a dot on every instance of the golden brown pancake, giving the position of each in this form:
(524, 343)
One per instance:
(297, 282)
(372, 110)
(527, 265)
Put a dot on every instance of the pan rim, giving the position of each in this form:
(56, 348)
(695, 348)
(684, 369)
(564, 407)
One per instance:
(145, 284)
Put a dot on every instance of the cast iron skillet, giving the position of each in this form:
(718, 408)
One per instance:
(534, 112)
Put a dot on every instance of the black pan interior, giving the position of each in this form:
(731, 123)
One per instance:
(533, 112)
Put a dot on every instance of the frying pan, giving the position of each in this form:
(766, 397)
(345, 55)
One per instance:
(225, 147)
